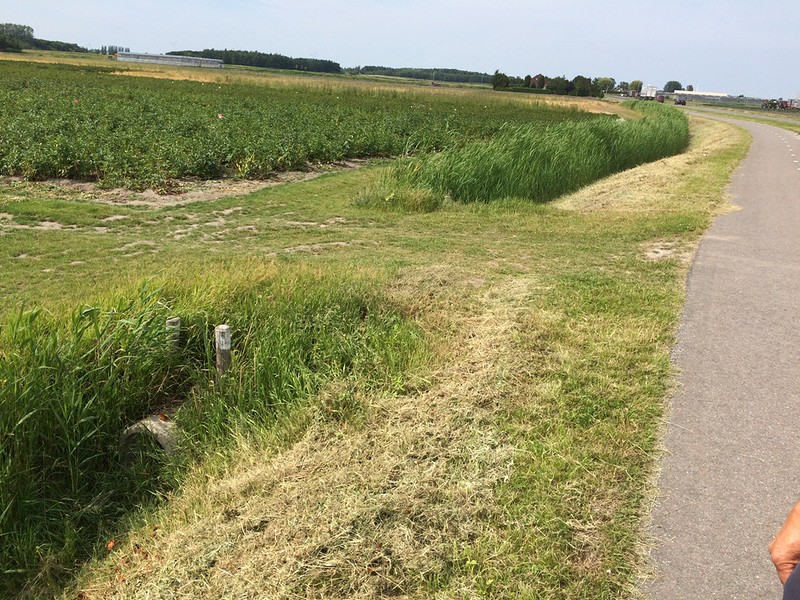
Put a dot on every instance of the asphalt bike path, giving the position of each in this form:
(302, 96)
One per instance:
(731, 471)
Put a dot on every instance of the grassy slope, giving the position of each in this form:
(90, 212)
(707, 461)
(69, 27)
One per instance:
(518, 467)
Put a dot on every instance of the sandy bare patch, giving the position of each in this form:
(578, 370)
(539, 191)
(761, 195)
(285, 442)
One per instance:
(667, 250)
(333, 221)
(136, 244)
(6, 217)
(302, 223)
(114, 218)
(305, 224)
(179, 234)
(229, 211)
(53, 226)
(315, 247)
(188, 191)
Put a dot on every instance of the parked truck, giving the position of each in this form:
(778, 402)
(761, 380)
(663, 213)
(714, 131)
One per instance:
(648, 92)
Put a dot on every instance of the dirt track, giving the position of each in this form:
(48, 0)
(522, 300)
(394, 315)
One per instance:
(732, 465)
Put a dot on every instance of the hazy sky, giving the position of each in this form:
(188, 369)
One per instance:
(736, 46)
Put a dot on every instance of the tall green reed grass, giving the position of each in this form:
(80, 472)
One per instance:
(540, 163)
(70, 386)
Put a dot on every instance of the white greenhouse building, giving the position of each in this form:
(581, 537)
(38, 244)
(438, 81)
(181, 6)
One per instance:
(169, 59)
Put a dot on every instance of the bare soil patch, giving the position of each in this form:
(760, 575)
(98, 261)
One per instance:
(315, 247)
(664, 250)
(184, 191)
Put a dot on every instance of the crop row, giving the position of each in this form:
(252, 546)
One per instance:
(137, 132)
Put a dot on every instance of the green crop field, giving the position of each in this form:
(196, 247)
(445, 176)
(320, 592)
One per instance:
(430, 394)
(85, 123)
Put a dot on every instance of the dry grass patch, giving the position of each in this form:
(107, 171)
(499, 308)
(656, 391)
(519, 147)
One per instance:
(663, 250)
(651, 188)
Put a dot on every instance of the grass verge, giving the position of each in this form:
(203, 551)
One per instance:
(519, 467)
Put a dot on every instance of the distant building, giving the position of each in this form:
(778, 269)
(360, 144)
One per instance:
(169, 59)
(718, 96)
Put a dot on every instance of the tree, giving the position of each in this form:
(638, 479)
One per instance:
(9, 44)
(528, 80)
(623, 86)
(13, 38)
(582, 86)
(605, 84)
(499, 80)
(636, 85)
(690, 88)
(560, 85)
(538, 81)
(673, 85)
(21, 33)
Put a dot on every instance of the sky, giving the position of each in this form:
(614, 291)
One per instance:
(737, 47)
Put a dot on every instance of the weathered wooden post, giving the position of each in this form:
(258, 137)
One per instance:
(222, 337)
(174, 331)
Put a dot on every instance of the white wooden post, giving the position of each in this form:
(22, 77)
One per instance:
(174, 331)
(222, 337)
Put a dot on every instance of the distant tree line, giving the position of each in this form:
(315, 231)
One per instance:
(577, 86)
(443, 75)
(16, 38)
(250, 58)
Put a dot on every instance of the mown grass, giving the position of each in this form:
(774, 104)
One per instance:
(518, 469)
(785, 119)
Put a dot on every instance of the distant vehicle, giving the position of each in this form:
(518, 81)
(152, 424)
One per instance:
(660, 98)
(680, 101)
(779, 104)
(648, 92)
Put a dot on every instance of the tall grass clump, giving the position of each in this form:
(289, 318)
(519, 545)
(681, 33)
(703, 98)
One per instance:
(292, 338)
(69, 387)
(540, 163)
